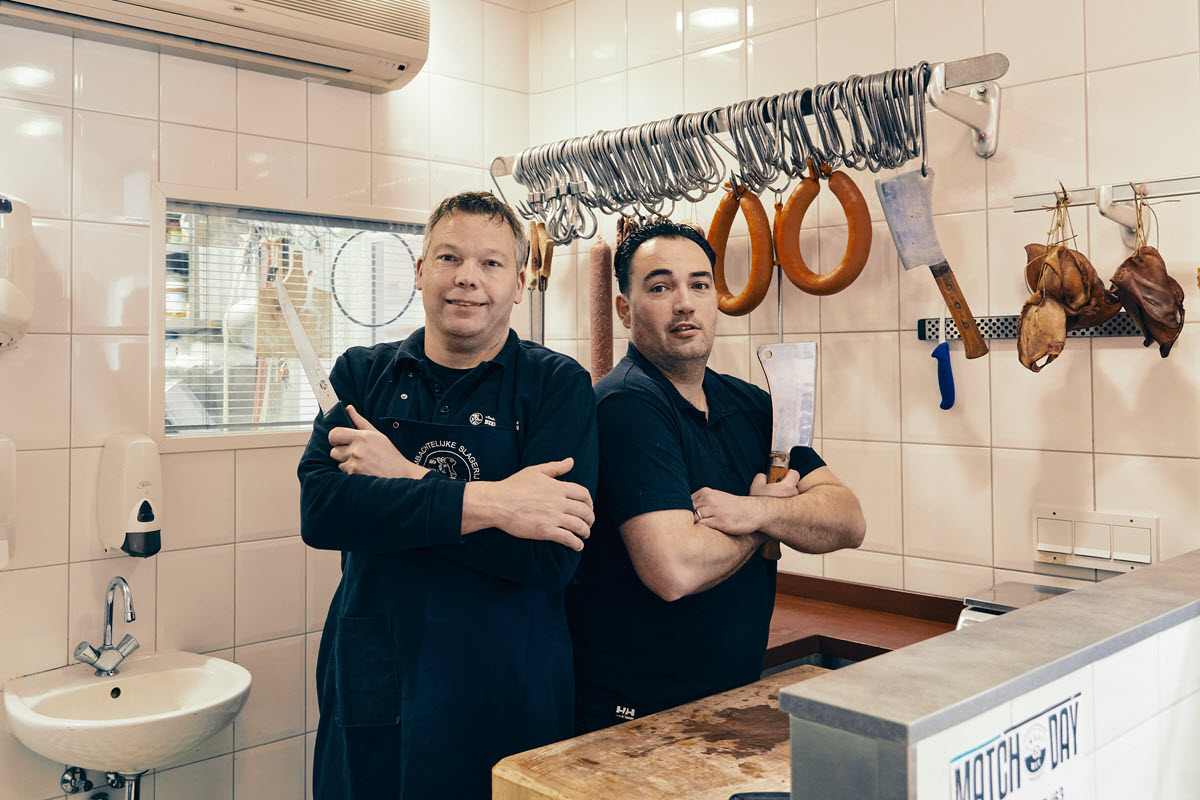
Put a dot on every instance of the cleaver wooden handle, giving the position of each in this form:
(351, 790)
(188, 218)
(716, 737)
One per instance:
(770, 548)
(959, 310)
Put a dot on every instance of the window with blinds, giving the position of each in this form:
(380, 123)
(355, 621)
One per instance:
(230, 362)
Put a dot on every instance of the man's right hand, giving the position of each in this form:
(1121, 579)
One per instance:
(532, 504)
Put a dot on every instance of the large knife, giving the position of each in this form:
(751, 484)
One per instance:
(791, 370)
(318, 379)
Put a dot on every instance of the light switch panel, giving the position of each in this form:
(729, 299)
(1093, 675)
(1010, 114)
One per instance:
(1093, 539)
(1098, 540)
(1131, 544)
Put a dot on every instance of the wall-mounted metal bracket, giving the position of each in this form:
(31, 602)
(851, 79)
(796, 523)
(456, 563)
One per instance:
(1124, 214)
(980, 110)
(1006, 328)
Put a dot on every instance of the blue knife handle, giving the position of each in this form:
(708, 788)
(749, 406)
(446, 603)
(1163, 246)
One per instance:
(945, 376)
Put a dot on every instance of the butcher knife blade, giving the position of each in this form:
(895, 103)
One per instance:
(318, 379)
(791, 370)
(907, 201)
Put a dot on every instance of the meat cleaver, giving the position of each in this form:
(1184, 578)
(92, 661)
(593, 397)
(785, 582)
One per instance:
(907, 201)
(791, 370)
(317, 378)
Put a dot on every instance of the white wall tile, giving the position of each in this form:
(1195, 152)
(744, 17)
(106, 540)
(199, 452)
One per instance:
(1160, 29)
(1162, 487)
(312, 647)
(1129, 766)
(271, 105)
(960, 183)
(828, 8)
(35, 392)
(870, 303)
(656, 91)
(276, 706)
(272, 166)
(116, 79)
(964, 239)
(195, 599)
(600, 104)
(860, 378)
(861, 566)
(568, 347)
(714, 77)
(599, 39)
(534, 21)
(204, 780)
(1178, 654)
(872, 471)
(922, 418)
(339, 176)
(310, 746)
(267, 493)
(194, 92)
(1044, 142)
(52, 279)
(400, 182)
(36, 164)
(198, 156)
(558, 46)
(655, 31)
(801, 311)
(23, 774)
(798, 563)
(944, 578)
(36, 620)
(1127, 689)
(88, 585)
(1049, 49)
(400, 120)
(929, 30)
(85, 483)
(782, 60)
(455, 121)
(456, 39)
(446, 180)
(507, 129)
(35, 65)
(42, 512)
(1114, 156)
(505, 48)
(115, 160)
(270, 589)
(555, 119)
(1176, 769)
(768, 15)
(1024, 479)
(947, 498)
(872, 29)
(1135, 392)
(112, 372)
(730, 355)
(274, 770)
(198, 491)
(339, 117)
(712, 22)
(1042, 409)
(111, 279)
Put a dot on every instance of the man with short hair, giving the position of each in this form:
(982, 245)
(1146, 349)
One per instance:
(672, 601)
(460, 499)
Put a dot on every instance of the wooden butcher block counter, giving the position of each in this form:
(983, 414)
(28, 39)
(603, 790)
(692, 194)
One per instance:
(706, 750)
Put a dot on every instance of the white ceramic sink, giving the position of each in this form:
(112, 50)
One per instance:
(160, 705)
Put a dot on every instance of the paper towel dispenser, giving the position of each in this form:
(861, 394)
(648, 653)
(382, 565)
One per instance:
(16, 269)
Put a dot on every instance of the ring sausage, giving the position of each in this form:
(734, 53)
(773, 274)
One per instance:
(858, 237)
(761, 251)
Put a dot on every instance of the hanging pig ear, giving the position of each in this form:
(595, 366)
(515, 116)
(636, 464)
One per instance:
(1035, 256)
(1041, 331)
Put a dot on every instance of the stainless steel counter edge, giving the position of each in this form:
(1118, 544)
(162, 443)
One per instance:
(913, 693)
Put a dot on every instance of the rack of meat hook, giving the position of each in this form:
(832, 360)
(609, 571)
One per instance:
(873, 122)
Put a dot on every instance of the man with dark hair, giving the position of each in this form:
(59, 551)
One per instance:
(672, 601)
(460, 500)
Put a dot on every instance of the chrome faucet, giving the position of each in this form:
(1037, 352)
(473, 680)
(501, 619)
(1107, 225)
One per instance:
(106, 660)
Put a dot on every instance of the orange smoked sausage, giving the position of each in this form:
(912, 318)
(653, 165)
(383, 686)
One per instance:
(858, 237)
(761, 251)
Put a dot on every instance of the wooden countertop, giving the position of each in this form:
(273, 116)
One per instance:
(707, 750)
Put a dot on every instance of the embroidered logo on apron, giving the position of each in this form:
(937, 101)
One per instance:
(451, 459)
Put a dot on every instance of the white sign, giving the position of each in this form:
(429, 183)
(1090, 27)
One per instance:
(1036, 759)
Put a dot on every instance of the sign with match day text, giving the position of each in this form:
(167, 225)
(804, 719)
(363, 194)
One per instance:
(1038, 758)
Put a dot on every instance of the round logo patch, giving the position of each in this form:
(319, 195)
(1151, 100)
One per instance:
(476, 418)
(451, 459)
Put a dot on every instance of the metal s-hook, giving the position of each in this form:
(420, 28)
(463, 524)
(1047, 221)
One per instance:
(1124, 214)
(980, 110)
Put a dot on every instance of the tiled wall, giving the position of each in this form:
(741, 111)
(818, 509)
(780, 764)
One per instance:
(1139, 722)
(84, 128)
(1095, 93)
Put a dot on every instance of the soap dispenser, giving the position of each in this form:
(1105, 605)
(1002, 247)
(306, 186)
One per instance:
(8, 498)
(16, 269)
(130, 496)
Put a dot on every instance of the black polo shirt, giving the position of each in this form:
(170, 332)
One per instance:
(635, 653)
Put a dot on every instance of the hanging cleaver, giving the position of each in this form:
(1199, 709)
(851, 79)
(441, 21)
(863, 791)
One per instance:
(907, 201)
(791, 370)
(317, 378)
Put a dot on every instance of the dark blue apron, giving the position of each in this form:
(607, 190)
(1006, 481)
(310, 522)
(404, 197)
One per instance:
(430, 672)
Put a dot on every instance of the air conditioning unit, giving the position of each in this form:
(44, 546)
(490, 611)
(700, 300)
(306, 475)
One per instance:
(365, 44)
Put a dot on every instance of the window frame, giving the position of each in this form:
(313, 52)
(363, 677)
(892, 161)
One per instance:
(163, 193)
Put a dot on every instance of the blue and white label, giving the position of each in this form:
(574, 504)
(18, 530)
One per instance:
(1038, 758)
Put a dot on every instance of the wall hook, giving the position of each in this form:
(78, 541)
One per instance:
(1124, 214)
(979, 111)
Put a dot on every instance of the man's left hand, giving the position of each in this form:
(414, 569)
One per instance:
(737, 516)
(363, 450)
